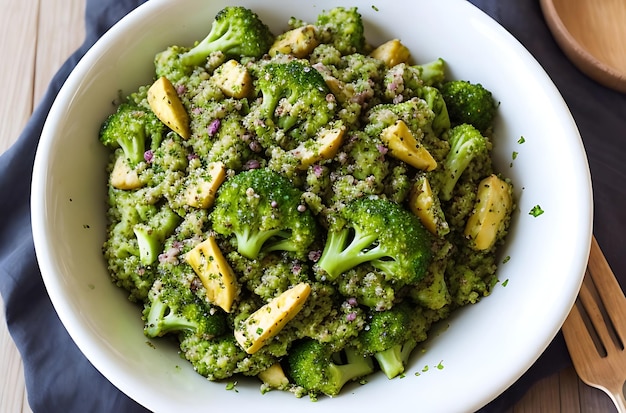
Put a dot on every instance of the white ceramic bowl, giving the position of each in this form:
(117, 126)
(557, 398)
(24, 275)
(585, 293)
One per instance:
(484, 348)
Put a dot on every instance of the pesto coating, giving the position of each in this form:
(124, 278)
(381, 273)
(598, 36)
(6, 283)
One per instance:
(346, 215)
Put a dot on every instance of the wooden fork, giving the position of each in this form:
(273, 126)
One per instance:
(595, 330)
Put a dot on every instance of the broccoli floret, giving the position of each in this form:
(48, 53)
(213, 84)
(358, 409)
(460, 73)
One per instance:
(221, 357)
(167, 63)
(364, 157)
(404, 82)
(269, 275)
(294, 103)
(471, 276)
(131, 127)
(381, 232)
(436, 103)
(361, 169)
(231, 143)
(432, 291)
(432, 73)
(392, 335)
(236, 31)
(152, 233)
(467, 146)
(418, 116)
(368, 285)
(129, 235)
(126, 270)
(215, 359)
(328, 317)
(398, 183)
(263, 210)
(469, 103)
(343, 28)
(173, 307)
(317, 369)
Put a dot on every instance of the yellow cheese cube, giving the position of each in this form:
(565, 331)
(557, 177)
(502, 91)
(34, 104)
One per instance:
(403, 145)
(124, 176)
(493, 204)
(298, 42)
(392, 53)
(274, 377)
(233, 79)
(421, 201)
(267, 321)
(324, 146)
(216, 274)
(168, 107)
(201, 193)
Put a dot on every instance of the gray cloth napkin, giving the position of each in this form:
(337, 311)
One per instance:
(59, 378)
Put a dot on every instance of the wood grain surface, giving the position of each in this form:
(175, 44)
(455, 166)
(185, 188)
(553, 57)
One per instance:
(592, 34)
(36, 36)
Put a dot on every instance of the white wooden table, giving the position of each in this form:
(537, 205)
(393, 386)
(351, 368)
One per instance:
(36, 36)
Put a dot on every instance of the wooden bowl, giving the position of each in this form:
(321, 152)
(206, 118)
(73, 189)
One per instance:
(592, 33)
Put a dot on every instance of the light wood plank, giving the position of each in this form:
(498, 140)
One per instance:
(12, 390)
(39, 36)
(568, 386)
(18, 42)
(18, 39)
(595, 400)
(541, 397)
(62, 32)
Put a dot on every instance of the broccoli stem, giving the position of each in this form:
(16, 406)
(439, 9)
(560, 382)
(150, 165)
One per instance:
(214, 41)
(466, 144)
(250, 242)
(150, 236)
(390, 361)
(134, 145)
(350, 255)
(283, 244)
(393, 360)
(356, 366)
(161, 320)
(432, 73)
(456, 165)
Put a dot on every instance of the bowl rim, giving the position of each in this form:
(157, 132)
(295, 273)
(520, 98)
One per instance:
(40, 205)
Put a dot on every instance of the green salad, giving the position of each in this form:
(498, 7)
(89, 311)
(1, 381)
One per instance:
(301, 207)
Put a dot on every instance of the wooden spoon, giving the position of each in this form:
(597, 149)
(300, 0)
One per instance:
(592, 33)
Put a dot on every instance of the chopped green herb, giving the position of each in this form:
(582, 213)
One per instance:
(514, 156)
(425, 369)
(232, 385)
(536, 211)
(521, 140)
(506, 259)
(505, 282)
(440, 365)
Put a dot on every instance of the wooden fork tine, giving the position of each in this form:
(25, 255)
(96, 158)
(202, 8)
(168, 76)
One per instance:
(595, 314)
(575, 331)
(609, 290)
(603, 370)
